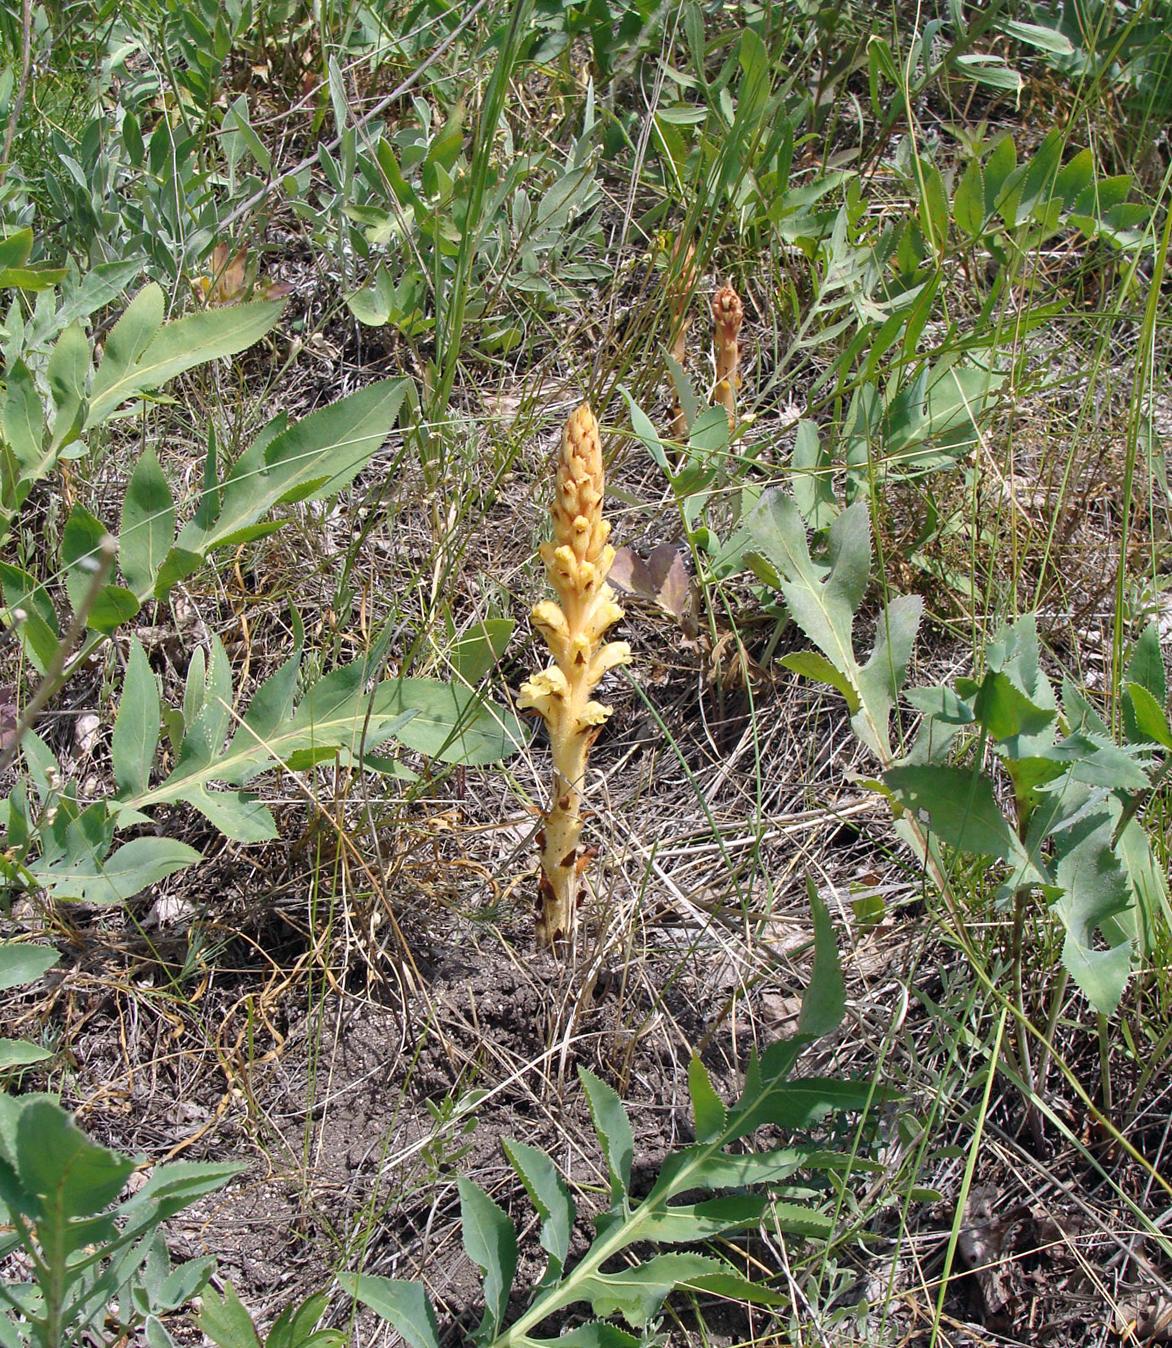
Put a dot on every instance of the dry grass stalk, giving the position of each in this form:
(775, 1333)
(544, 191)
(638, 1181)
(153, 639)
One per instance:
(728, 313)
(577, 561)
(680, 292)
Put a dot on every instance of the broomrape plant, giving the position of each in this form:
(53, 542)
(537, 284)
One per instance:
(728, 313)
(577, 560)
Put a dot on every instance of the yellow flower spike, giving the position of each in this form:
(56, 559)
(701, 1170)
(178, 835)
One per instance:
(577, 561)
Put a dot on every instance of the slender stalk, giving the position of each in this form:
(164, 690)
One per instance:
(17, 107)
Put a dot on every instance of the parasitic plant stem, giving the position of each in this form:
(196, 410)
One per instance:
(577, 561)
(728, 313)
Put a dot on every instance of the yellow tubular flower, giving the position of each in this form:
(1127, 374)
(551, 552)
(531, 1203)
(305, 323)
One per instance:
(577, 562)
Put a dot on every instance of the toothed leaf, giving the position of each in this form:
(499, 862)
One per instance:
(491, 1244)
(136, 727)
(613, 1127)
(824, 1001)
(148, 524)
(637, 1293)
(686, 1223)
(549, 1195)
(596, 1334)
(708, 1111)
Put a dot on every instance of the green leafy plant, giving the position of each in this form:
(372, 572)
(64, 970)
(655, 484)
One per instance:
(1070, 835)
(226, 1321)
(22, 962)
(614, 1276)
(65, 845)
(700, 481)
(98, 1273)
(141, 354)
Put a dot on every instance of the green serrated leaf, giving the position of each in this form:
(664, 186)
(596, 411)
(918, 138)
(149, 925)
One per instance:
(687, 1223)
(20, 1053)
(69, 1175)
(15, 248)
(24, 962)
(613, 1127)
(1007, 714)
(313, 458)
(968, 201)
(1146, 666)
(1096, 760)
(1095, 891)
(450, 723)
(82, 550)
(67, 372)
(813, 481)
(175, 567)
(770, 1098)
(24, 424)
(596, 1334)
(491, 1244)
(637, 1293)
(176, 1184)
(142, 353)
(549, 1195)
(134, 866)
(112, 607)
(708, 1110)
(1050, 40)
(732, 1287)
(225, 1320)
(824, 1001)
(1147, 721)
(238, 815)
(479, 649)
(882, 677)
(296, 1325)
(646, 433)
(956, 805)
(811, 665)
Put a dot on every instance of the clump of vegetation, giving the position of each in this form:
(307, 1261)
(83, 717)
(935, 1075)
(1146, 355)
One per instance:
(291, 296)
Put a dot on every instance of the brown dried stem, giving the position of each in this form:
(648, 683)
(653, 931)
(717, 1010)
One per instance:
(577, 561)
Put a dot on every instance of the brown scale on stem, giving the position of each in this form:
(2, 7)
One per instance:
(728, 313)
(577, 560)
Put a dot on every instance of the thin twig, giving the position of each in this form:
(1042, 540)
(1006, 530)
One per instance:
(26, 66)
